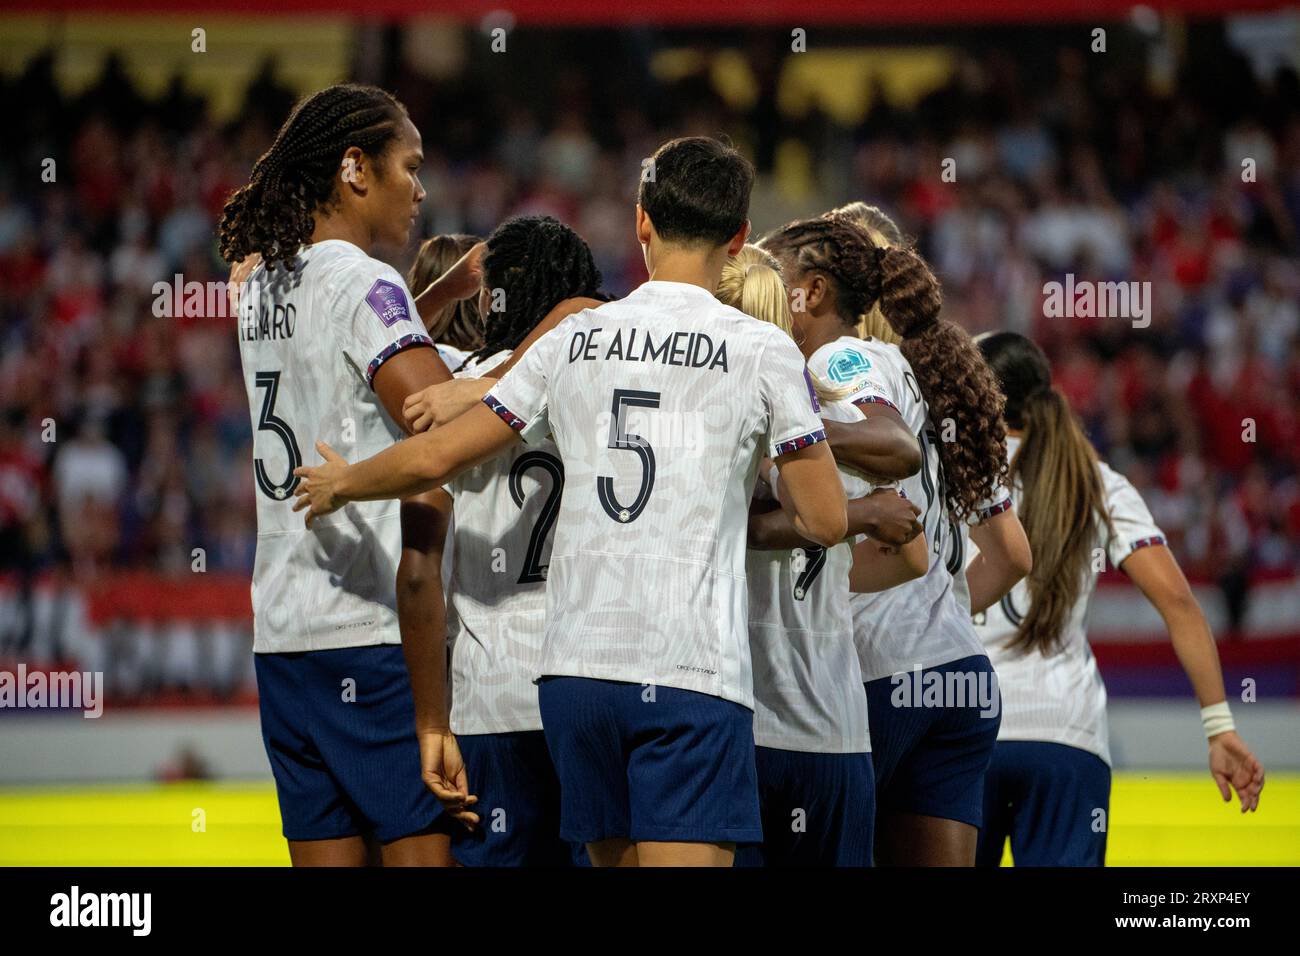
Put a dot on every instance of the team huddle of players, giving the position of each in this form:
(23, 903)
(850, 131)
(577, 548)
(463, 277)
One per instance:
(765, 563)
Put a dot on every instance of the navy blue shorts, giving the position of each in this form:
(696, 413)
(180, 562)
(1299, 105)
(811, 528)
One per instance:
(1051, 800)
(818, 809)
(518, 804)
(930, 752)
(677, 766)
(344, 767)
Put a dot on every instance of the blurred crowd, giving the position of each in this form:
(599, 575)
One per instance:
(125, 436)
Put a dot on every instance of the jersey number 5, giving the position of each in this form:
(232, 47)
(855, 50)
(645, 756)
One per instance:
(621, 440)
(268, 422)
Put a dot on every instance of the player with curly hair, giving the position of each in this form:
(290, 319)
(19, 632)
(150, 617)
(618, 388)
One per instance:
(929, 750)
(330, 345)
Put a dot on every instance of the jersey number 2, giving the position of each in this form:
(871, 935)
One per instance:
(625, 441)
(534, 571)
(268, 422)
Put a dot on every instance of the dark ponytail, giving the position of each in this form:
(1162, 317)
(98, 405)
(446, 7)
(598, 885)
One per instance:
(1062, 502)
(273, 214)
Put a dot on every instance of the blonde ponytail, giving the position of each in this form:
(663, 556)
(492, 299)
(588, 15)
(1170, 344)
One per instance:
(751, 282)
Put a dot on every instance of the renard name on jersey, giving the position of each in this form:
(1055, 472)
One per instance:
(685, 349)
(269, 322)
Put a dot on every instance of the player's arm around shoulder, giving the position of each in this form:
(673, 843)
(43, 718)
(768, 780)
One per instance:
(879, 445)
(438, 404)
(553, 320)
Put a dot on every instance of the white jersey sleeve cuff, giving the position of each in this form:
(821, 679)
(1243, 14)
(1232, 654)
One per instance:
(798, 442)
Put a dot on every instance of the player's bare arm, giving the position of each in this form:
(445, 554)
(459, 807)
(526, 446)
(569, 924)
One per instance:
(408, 468)
(410, 371)
(1004, 559)
(880, 446)
(877, 568)
(422, 615)
(883, 515)
(436, 405)
(810, 483)
(1157, 574)
(461, 281)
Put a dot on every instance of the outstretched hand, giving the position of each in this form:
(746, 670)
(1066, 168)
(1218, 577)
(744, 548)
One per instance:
(318, 489)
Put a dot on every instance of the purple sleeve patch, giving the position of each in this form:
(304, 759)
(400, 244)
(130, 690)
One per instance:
(812, 392)
(389, 302)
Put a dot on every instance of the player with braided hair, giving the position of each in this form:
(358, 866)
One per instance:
(662, 405)
(999, 537)
(929, 760)
(532, 263)
(503, 513)
(528, 261)
(345, 131)
(346, 638)
(882, 231)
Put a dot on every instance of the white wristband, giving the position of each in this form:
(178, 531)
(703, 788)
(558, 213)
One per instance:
(1217, 719)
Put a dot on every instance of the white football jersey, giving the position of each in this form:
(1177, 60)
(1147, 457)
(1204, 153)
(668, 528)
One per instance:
(505, 511)
(1061, 698)
(918, 624)
(807, 682)
(310, 342)
(453, 357)
(661, 405)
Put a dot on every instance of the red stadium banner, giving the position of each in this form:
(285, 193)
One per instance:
(678, 12)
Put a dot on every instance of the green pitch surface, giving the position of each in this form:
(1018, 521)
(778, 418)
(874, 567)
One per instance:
(1157, 819)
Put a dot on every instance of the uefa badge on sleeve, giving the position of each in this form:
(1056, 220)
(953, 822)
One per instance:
(389, 302)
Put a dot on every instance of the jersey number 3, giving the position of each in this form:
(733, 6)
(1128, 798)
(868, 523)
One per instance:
(621, 440)
(268, 422)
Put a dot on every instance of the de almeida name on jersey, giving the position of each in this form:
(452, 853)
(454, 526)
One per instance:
(685, 349)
